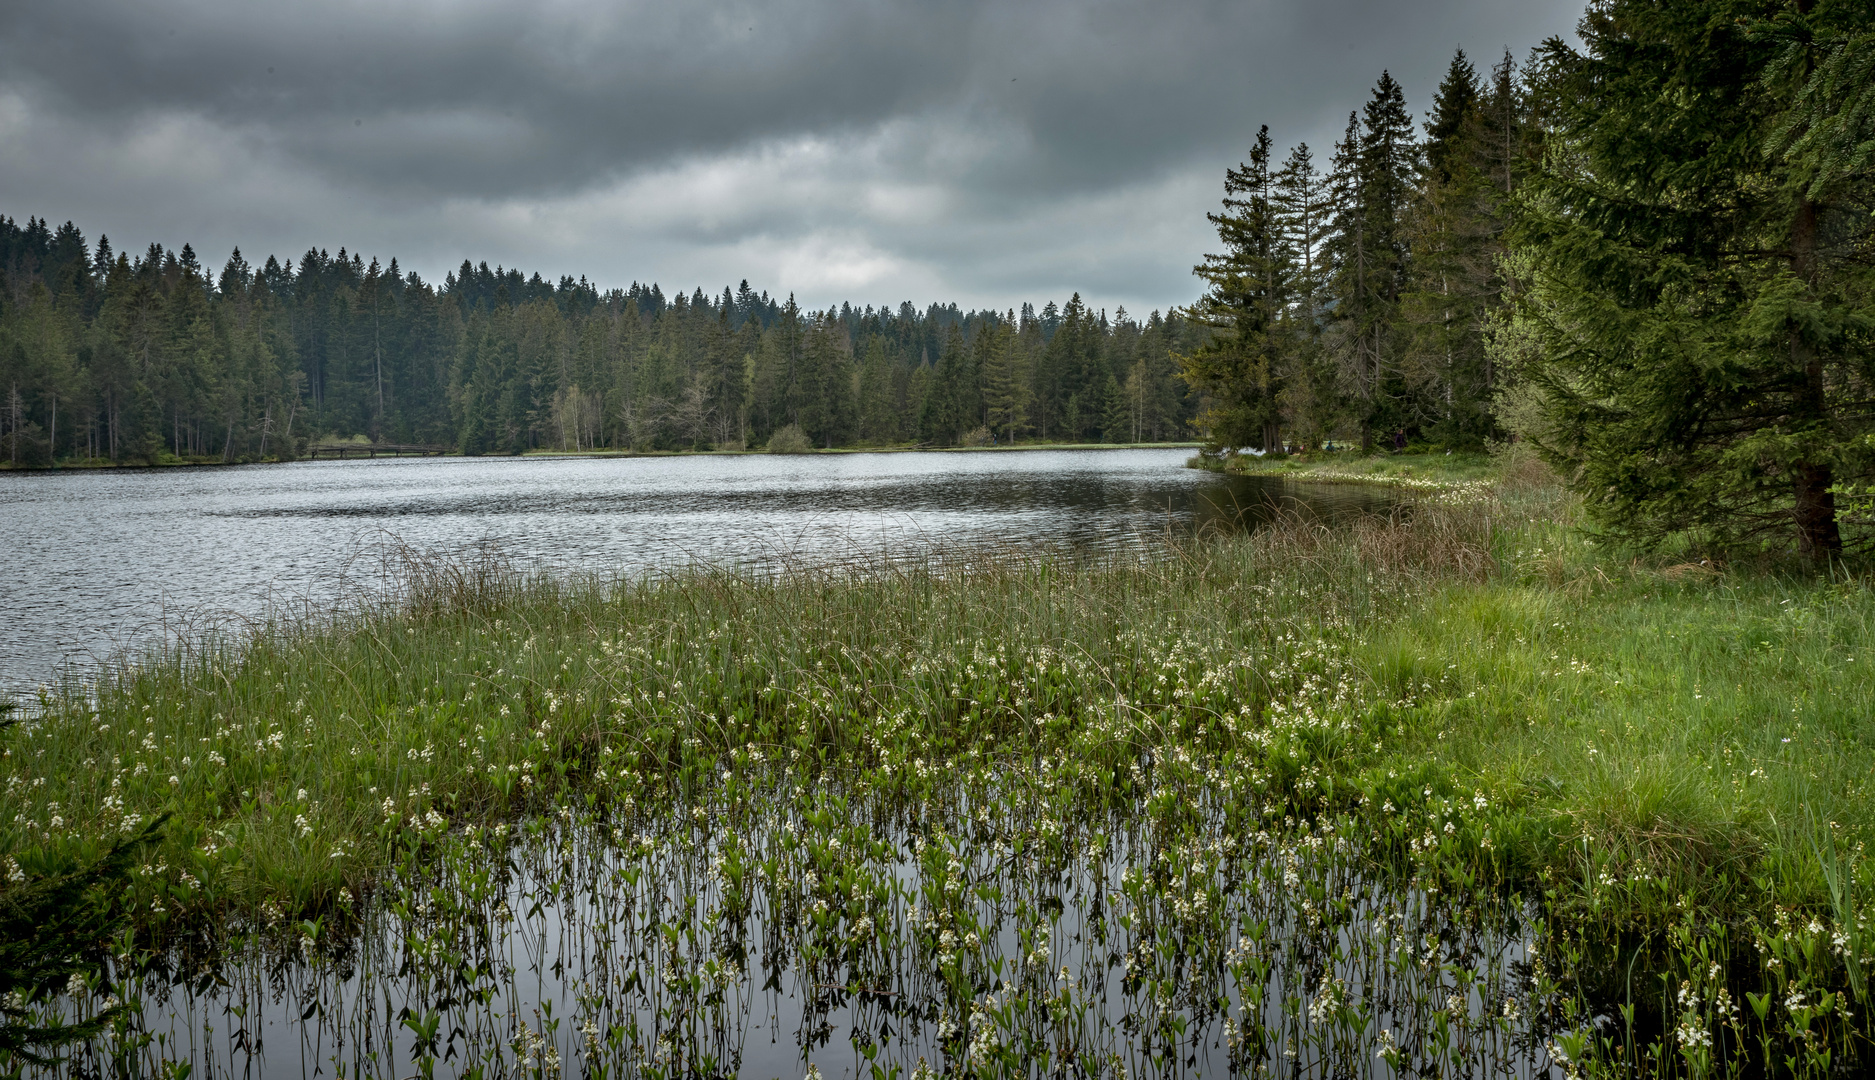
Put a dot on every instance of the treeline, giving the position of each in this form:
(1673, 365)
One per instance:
(108, 358)
(1651, 257)
(1353, 300)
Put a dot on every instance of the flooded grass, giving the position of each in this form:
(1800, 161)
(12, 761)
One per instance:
(1447, 793)
(1013, 929)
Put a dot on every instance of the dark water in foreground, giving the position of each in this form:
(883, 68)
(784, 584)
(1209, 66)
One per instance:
(97, 561)
(810, 938)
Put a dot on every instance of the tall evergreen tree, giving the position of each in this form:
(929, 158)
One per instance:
(1375, 176)
(878, 411)
(1697, 303)
(1454, 228)
(1453, 123)
(1005, 379)
(725, 372)
(1304, 207)
(1242, 367)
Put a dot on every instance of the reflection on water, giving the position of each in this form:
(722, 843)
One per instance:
(984, 933)
(101, 560)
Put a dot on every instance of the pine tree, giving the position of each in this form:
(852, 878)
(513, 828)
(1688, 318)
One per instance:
(1242, 367)
(1700, 350)
(1304, 207)
(1005, 382)
(1116, 423)
(1451, 128)
(1454, 227)
(1376, 172)
(946, 411)
(878, 414)
(723, 392)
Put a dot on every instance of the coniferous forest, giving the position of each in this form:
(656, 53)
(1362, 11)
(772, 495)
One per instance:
(120, 359)
(1651, 258)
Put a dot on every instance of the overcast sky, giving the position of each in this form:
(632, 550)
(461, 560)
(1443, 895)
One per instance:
(866, 150)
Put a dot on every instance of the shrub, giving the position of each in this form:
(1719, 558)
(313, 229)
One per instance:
(789, 440)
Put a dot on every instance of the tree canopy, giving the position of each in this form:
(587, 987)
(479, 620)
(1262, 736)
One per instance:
(108, 358)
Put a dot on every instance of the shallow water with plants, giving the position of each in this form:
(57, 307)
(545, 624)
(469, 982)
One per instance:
(1374, 798)
(1013, 929)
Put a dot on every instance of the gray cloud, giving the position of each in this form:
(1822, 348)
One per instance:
(983, 151)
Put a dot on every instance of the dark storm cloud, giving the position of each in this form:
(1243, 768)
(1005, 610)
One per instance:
(481, 99)
(903, 141)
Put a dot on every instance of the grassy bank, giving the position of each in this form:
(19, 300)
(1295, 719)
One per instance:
(1668, 756)
(1411, 471)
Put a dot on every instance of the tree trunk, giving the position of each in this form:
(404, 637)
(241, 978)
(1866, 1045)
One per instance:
(1818, 536)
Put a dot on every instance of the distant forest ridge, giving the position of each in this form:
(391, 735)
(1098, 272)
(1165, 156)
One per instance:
(108, 358)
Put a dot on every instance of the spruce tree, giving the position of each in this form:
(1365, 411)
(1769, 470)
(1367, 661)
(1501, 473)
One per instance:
(1116, 419)
(1696, 305)
(1374, 180)
(1453, 122)
(1304, 207)
(1241, 367)
(723, 391)
(1454, 229)
(878, 416)
(1005, 386)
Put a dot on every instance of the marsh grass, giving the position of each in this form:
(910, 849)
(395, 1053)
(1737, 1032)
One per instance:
(295, 758)
(1659, 753)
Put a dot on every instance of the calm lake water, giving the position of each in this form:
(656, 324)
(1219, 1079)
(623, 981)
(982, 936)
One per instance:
(99, 561)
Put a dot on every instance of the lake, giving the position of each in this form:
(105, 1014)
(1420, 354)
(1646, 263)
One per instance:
(103, 560)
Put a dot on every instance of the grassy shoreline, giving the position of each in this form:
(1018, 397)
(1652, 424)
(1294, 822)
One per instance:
(868, 450)
(1413, 472)
(1646, 748)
